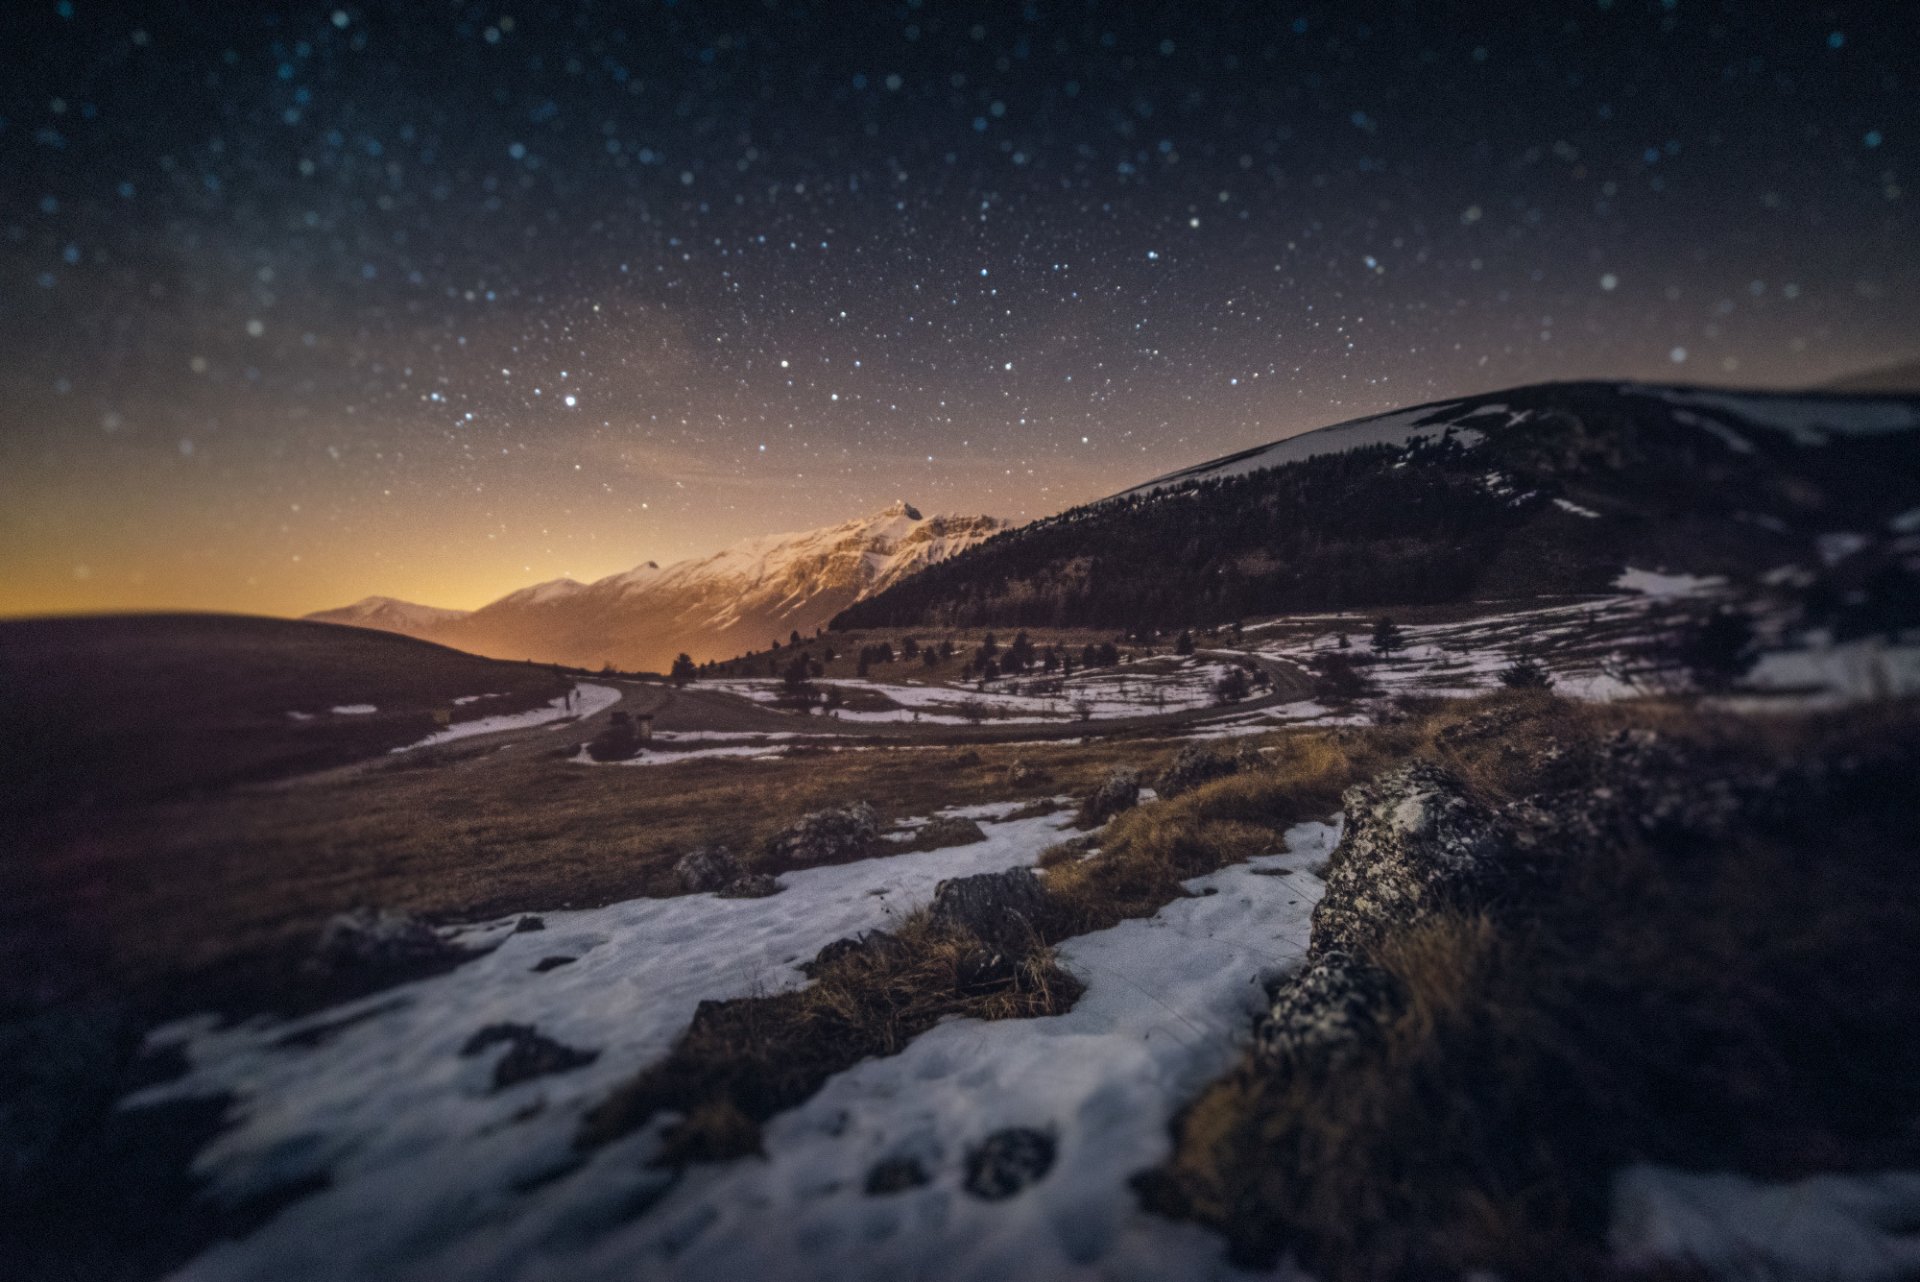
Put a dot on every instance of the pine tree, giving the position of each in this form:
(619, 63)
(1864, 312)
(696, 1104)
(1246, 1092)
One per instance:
(1183, 645)
(1387, 637)
(683, 669)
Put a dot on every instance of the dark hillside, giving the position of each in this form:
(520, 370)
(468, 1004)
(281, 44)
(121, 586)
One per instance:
(125, 707)
(1549, 489)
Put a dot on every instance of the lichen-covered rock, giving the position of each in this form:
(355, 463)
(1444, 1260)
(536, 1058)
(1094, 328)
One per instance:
(708, 869)
(1117, 792)
(942, 831)
(530, 1054)
(753, 885)
(834, 835)
(376, 939)
(1003, 909)
(1199, 763)
(1330, 1010)
(1008, 1162)
(1414, 842)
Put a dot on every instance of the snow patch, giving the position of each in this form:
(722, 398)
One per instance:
(1655, 584)
(1836, 1227)
(433, 1174)
(1566, 505)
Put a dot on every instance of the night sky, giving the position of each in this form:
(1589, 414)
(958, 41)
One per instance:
(302, 302)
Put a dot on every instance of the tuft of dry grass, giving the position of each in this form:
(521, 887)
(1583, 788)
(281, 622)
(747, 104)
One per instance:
(740, 1062)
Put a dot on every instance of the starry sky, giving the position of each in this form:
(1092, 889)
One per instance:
(301, 302)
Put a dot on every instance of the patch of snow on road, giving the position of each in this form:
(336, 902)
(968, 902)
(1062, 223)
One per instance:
(587, 701)
(1843, 1228)
(434, 1175)
(354, 710)
(1168, 1007)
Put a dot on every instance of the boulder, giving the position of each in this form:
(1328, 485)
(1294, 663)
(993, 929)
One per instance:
(1001, 909)
(948, 830)
(1414, 842)
(1022, 775)
(1320, 1017)
(1117, 792)
(1199, 763)
(834, 835)
(378, 939)
(708, 869)
(1008, 1162)
(875, 943)
(753, 885)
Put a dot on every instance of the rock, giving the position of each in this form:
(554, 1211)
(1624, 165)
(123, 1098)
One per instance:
(1001, 909)
(1414, 842)
(1199, 763)
(1008, 1161)
(708, 869)
(753, 885)
(530, 1054)
(1322, 1016)
(896, 1175)
(875, 943)
(376, 939)
(1022, 775)
(967, 758)
(546, 964)
(526, 924)
(834, 835)
(948, 830)
(1117, 792)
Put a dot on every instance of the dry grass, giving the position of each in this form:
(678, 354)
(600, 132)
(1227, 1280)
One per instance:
(740, 1062)
(209, 901)
(1746, 1005)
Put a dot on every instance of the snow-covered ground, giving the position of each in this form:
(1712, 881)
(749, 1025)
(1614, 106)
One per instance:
(423, 1159)
(1142, 689)
(587, 700)
(431, 1173)
(1839, 1228)
(1167, 1009)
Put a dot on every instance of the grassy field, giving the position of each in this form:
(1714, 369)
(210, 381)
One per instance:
(100, 711)
(213, 898)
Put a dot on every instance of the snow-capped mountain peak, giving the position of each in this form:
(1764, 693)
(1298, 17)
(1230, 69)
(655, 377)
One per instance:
(712, 606)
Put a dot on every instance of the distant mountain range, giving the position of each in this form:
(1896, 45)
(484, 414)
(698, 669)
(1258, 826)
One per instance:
(1548, 489)
(710, 607)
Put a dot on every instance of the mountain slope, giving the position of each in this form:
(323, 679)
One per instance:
(710, 607)
(386, 614)
(1545, 489)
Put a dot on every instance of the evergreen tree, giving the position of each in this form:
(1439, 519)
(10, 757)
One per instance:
(1183, 645)
(683, 670)
(1387, 637)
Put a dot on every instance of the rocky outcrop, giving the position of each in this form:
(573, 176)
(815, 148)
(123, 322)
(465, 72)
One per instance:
(1022, 775)
(1199, 763)
(831, 836)
(713, 870)
(1117, 792)
(1322, 1016)
(1001, 909)
(942, 831)
(1414, 842)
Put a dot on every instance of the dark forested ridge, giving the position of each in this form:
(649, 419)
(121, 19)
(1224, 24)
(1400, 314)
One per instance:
(1543, 489)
